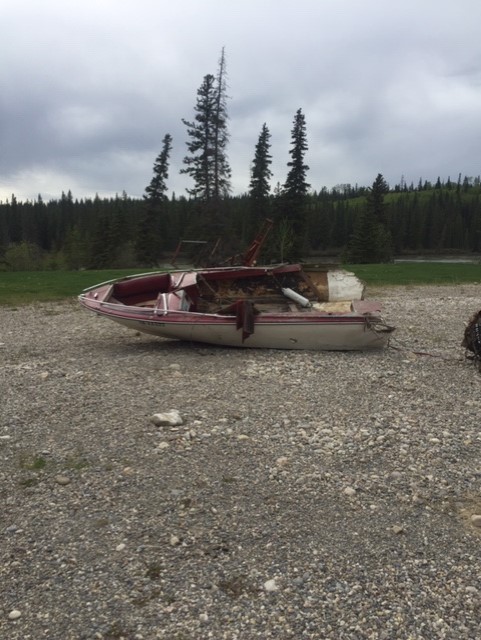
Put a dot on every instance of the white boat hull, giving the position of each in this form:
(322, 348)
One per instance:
(334, 335)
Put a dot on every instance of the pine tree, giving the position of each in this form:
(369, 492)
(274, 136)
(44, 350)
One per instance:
(148, 242)
(259, 188)
(207, 161)
(260, 171)
(296, 188)
(200, 146)
(222, 171)
(101, 249)
(375, 199)
(156, 191)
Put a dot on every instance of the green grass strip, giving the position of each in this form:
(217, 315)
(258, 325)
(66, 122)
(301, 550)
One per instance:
(26, 287)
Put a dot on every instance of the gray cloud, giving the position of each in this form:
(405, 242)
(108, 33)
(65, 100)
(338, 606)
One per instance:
(90, 90)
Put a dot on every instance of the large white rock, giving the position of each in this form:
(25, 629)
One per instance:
(169, 419)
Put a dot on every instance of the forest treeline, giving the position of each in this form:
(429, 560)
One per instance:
(98, 233)
(356, 224)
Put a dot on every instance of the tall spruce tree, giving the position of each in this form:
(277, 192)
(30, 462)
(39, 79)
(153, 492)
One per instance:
(296, 187)
(157, 189)
(199, 163)
(148, 242)
(207, 163)
(259, 188)
(222, 170)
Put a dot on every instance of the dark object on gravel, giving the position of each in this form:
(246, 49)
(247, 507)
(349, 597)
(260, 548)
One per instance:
(472, 339)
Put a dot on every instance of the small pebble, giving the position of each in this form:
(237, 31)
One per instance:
(14, 615)
(476, 520)
(271, 585)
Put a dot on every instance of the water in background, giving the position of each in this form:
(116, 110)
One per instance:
(470, 259)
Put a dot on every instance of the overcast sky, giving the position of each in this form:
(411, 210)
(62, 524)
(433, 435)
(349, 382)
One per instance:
(89, 88)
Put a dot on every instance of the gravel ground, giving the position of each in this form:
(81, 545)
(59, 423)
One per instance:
(307, 495)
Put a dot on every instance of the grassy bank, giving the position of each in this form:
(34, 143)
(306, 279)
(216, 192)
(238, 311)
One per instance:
(18, 288)
(23, 287)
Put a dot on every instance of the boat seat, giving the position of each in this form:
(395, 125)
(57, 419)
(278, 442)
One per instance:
(135, 290)
(174, 301)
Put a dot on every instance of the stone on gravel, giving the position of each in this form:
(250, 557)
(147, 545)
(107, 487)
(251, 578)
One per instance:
(476, 520)
(169, 418)
(271, 585)
(14, 614)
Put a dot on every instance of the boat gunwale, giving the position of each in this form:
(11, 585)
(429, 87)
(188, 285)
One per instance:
(210, 270)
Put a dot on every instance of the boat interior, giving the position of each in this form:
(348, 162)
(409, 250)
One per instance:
(281, 290)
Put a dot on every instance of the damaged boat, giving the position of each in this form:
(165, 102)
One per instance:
(286, 306)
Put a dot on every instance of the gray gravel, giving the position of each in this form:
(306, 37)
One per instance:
(305, 495)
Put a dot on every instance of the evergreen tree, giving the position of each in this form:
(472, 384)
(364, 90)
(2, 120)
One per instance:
(156, 191)
(222, 170)
(200, 146)
(148, 241)
(296, 188)
(119, 237)
(207, 162)
(370, 241)
(43, 238)
(260, 171)
(13, 220)
(101, 249)
(259, 188)
(375, 199)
